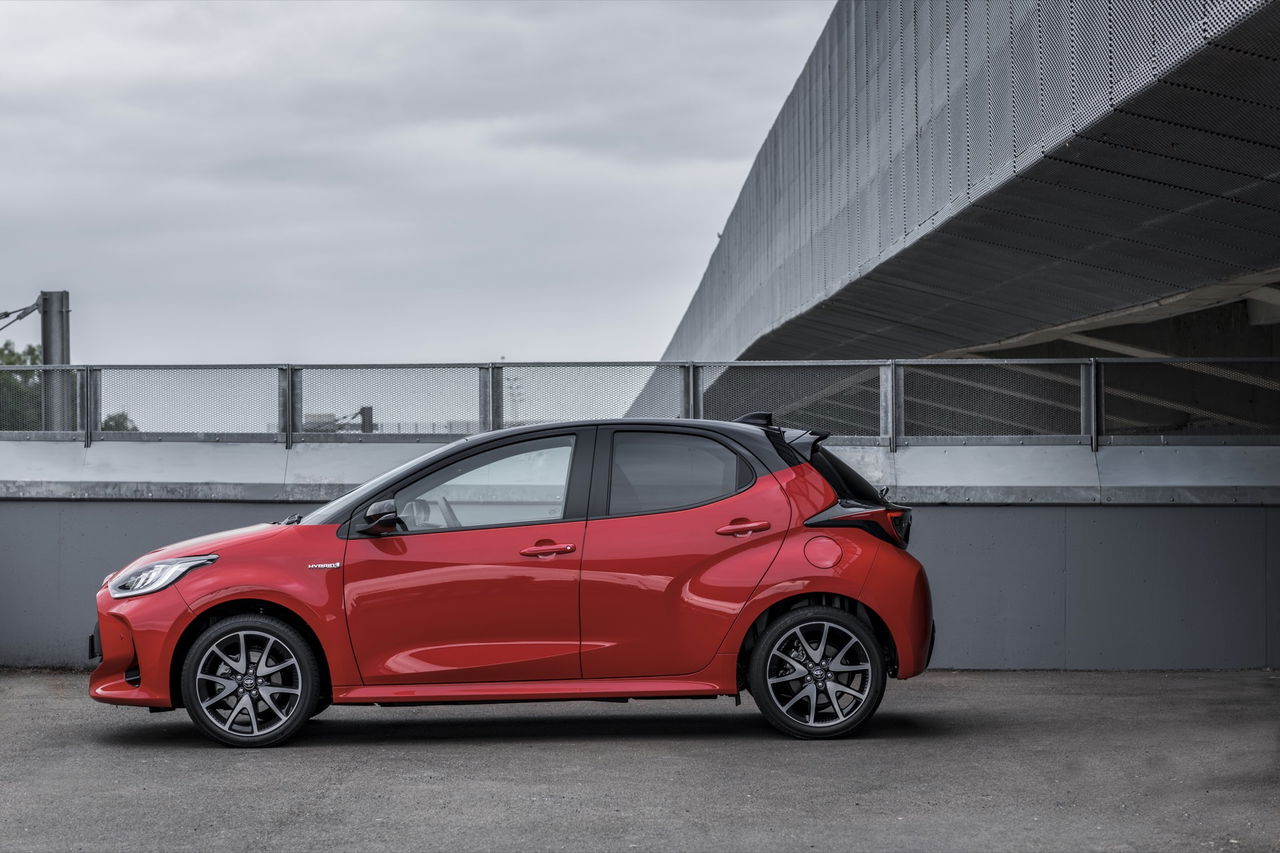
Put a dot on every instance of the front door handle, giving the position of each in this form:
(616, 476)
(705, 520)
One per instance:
(547, 549)
(742, 527)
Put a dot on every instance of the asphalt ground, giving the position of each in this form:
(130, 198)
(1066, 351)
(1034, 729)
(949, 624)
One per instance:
(952, 761)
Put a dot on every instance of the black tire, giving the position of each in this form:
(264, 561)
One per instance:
(231, 701)
(321, 705)
(827, 673)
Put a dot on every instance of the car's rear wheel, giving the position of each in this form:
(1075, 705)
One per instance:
(250, 680)
(817, 672)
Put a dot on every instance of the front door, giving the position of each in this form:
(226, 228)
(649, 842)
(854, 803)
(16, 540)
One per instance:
(480, 583)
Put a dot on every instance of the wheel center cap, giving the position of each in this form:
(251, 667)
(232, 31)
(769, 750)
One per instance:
(819, 673)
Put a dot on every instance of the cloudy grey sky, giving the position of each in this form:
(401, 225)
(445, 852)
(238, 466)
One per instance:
(343, 182)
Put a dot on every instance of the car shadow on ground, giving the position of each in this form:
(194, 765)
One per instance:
(372, 728)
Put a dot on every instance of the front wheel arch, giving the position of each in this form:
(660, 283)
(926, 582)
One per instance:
(816, 599)
(241, 607)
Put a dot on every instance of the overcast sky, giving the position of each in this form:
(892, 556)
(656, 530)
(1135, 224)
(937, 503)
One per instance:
(352, 182)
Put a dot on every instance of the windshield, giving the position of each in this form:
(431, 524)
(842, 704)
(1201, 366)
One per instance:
(339, 509)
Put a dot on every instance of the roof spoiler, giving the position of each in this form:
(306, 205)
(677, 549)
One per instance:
(795, 444)
(760, 419)
(804, 441)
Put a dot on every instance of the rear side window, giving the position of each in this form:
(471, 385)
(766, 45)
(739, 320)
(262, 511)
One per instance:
(848, 483)
(657, 471)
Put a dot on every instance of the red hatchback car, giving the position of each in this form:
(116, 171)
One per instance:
(604, 560)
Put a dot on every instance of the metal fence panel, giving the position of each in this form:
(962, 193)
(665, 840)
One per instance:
(1190, 399)
(134, 402)
(340, 400)
(541, 393)
(983, 400)
(40, 400)
(842, 399)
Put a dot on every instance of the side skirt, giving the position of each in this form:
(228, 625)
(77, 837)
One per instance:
(718, 679)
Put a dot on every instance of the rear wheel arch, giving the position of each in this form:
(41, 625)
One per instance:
(240, 607)
(811, 599)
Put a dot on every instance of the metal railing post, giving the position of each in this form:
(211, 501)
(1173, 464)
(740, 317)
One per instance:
(1088, 397)
(495, 396)
(86, 404)
(1098, 399)
(484, 403)
(690, 399)
(889, 404)
(695, 388)
(287, 401)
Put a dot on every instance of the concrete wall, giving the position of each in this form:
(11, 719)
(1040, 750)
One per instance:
(1077, 587)
(950, 174)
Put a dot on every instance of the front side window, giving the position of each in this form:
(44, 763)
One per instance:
(658, 471)
(523, 483)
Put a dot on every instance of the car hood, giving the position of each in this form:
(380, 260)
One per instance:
(214, 543)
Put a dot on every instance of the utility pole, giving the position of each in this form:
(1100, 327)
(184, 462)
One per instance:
(55, 342)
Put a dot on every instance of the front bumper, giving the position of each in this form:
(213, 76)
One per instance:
(135, 640)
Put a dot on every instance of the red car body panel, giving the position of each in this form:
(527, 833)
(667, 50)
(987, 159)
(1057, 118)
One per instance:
(660, 591)
(261, 563)
(465, 605)
(644, 605)
(137, 635)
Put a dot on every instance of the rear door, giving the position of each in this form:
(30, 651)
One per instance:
(683, 525)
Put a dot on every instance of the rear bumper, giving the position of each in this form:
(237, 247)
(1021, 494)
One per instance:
(133, 641)
(897, 589)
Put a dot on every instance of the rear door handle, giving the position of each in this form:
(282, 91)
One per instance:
(549, 550)
(742, 528)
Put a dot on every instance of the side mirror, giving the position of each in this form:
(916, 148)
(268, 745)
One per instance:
(379, 518)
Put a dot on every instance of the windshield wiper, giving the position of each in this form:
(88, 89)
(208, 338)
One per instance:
(293, 519)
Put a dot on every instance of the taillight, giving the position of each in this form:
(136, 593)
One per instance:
(901, 519)
(891, 523)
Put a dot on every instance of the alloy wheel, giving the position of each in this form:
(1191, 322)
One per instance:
(818, 674)
(249, 683)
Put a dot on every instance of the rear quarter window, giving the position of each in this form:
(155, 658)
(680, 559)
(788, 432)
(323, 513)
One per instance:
(848, 483)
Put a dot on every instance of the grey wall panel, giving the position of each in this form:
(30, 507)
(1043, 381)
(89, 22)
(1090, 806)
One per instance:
(997, 577)
(56, 553)
(1155, 587)
(1273, 585)
(1014, 586)
(35, 621)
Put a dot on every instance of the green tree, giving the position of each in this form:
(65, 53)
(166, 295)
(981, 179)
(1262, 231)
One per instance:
(119, 422)
(19, 389)
(9, 354)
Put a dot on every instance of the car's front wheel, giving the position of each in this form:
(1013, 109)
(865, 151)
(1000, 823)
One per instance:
(250, 680)
(817, 672)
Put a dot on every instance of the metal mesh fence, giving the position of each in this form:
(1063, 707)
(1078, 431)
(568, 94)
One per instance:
(1191, 398)
(39, 400)
(436, 400)
(991, 400)
(863, 402)
(540, 393)
(840, 399)
(180, 400)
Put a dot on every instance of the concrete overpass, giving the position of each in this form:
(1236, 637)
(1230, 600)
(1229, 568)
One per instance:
(1036, 177)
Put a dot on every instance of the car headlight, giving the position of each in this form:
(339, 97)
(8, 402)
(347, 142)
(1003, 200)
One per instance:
(154, 576)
